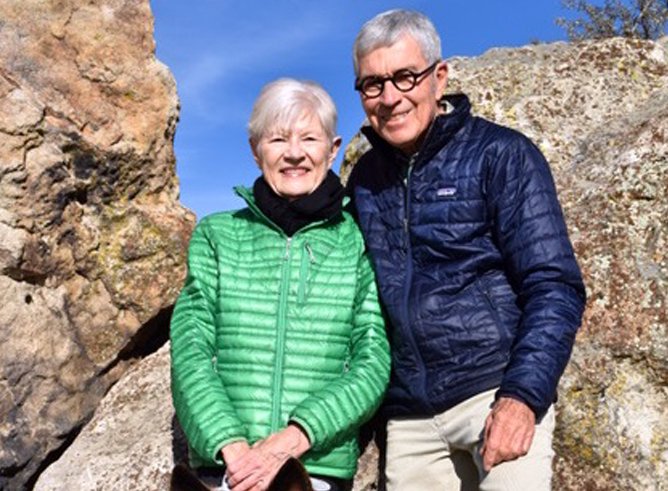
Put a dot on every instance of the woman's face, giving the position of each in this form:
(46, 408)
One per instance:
(295, 161)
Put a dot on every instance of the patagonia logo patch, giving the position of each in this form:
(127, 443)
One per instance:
(446, 192)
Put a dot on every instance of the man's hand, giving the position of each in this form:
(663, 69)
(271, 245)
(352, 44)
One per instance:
(509, 431)
(256, 469)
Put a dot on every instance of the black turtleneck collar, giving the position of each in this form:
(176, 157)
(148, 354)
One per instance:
(323, 203)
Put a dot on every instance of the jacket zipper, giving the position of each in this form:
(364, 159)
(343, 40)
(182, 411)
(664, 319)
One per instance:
(307, 257)
(283, 303)
(407, 290)
(407, 180)
(280, 339)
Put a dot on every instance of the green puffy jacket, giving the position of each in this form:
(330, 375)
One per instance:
(270, 329)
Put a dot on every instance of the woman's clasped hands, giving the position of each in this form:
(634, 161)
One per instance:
(254, 468)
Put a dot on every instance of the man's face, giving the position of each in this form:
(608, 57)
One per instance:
(402, 118)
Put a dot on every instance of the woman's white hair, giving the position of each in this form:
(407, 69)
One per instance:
(385, 30)
(282, 102)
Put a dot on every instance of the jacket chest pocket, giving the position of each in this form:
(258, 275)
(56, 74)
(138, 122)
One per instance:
(453, 208)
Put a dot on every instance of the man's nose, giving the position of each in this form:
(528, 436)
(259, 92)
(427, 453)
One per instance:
(390, 95)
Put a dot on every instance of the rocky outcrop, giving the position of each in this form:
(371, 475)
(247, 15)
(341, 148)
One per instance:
(92, 238)
(599, 112)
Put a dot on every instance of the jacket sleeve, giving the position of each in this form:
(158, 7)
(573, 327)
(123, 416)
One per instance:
(336, 412)
(531, 234)
(202, 405)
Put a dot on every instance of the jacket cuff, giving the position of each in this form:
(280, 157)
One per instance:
(305, 428)
(539, 412)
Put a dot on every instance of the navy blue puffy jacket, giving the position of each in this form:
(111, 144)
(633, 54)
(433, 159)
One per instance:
(474, 264)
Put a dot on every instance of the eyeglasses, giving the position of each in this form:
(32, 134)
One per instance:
(404, 80)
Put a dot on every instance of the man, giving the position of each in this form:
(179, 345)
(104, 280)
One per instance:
(475, 269)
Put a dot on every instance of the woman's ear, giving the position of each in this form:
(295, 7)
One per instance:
(334, 150)
(254, 144)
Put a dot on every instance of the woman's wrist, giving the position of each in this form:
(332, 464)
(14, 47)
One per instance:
(300, 443)
(233, 451)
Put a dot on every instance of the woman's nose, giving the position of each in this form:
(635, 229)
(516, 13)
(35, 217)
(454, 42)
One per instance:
(294, 150)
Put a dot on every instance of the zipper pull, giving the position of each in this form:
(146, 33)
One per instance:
(310, 253)
(287, 248)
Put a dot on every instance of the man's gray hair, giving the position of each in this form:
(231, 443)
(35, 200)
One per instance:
(282, 102)
(385, 29)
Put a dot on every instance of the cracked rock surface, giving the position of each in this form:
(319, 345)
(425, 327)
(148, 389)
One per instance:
(92, 237)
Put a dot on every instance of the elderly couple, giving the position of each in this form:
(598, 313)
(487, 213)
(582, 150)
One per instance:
(450, 241)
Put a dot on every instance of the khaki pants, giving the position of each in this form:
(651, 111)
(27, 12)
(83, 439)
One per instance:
(440, 453)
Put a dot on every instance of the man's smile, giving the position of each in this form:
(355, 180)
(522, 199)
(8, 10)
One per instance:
(395, 117)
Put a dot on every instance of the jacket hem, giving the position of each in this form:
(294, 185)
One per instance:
(437, 405)
(329, 472)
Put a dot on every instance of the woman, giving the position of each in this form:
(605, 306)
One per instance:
(278, 344)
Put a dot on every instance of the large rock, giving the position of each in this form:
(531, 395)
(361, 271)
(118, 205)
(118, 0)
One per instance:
(599, 112)
(92, 237)
(130, 437)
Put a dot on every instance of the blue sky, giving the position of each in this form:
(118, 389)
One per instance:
(222, 52)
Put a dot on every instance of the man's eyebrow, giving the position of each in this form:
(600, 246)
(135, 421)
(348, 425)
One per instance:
(412, 68)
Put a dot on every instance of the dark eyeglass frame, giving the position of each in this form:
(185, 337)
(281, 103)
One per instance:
(415, 77)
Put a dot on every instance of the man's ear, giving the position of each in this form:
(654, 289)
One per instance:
(334, 150)
(441, 72)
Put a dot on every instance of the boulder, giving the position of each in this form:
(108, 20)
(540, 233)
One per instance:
(92, 236)
(127, 446)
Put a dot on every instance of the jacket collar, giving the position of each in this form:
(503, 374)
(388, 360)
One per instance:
(246, 194)
(442, 129)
